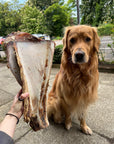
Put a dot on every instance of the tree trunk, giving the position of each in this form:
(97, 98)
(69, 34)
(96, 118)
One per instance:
(78, 12)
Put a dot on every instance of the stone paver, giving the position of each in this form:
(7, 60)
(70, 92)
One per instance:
(8, 85)
(100, 116)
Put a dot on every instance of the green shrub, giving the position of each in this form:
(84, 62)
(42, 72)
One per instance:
(57, 38)
(4, 59)
(106, 29)
(57, 54)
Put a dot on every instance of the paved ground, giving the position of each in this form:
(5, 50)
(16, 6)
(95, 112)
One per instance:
(100, 115)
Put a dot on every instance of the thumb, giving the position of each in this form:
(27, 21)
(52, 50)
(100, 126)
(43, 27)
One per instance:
(24, 95)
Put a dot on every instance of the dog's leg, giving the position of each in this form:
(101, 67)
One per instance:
(57, 116)
(54, 109)
(85, 129)
(68, 122)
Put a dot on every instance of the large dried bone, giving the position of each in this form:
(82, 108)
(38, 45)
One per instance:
(30, 61)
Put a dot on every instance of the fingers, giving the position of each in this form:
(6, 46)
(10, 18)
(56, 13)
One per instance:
(24, 95)
(21, 96)
(19, 93)
(17, 106)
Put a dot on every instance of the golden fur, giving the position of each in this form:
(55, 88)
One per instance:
(75, 85)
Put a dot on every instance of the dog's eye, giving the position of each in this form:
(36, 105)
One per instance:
(72, 40)
(88, 39)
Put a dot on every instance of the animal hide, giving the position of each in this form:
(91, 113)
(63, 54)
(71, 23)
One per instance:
(30, 60)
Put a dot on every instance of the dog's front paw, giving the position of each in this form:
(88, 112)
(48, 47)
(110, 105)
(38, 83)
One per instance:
(86, 130)
(68, 126)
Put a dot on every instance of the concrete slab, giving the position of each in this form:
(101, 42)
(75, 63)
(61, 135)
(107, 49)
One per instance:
(8, 85)
(12, 87)
(4, 109)
(100, 115)
(5, 97)
(2, 64)
(56, 134)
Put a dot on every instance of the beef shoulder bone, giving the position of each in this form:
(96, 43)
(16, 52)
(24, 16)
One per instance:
(30, 60)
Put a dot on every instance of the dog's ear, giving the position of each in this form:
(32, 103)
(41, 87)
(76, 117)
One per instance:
(65, 38)
(96, 39)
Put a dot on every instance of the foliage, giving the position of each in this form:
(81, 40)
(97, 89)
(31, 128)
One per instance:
(107, 63)
(101, 56)
(72, 3)
(3, 60)
(106, 29)
(29, 18)
(73, 21)
(111, 46)
(96, 12)
(9, 18)
(57, 17)
(42, 4)
(57, 38)
(32, 20)
(109, 12)
(57, 54)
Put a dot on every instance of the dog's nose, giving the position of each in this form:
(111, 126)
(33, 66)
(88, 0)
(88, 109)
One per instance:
(79, 56)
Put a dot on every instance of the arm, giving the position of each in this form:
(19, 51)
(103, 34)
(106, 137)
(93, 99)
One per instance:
(9, 123)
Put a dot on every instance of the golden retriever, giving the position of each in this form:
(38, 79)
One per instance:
(75, 85)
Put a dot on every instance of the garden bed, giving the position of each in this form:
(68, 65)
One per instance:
(109, 68)
(106, 68)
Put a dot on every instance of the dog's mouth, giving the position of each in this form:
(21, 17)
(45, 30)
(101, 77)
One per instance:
(79, 57)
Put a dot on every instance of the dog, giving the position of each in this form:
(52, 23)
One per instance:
(75, 85)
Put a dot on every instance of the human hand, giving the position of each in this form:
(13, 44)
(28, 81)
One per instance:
(17, 106)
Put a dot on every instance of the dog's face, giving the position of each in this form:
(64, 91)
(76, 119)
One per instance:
(81, 42)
